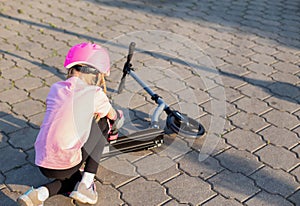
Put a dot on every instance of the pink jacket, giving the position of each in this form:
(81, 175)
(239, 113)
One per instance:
(71, 105)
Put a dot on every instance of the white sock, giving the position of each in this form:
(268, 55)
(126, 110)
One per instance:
(43, 193)
(88, 178)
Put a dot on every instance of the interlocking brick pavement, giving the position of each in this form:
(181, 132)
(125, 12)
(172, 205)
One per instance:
(250, 50)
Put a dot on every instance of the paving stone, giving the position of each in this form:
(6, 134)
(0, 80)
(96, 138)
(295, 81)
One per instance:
(283, 103)
(164, 175)
(284, 89)
(5, 84)
(286, 67)
(16, 181)
(285, 77)
(3, 140)
(173, 147)
(232, 94)
(265, 32)
(275, 181)
(286, 120)
(194, 96)
(51, 80)
(237, 59)
(262, 49)
(221, 201)
(280, 137)
(142, 192)
(297, 150)
(196, 83)
(260, 68)
(239, 161)
(116, 172)
(295, 198)
(171, 85)
(11, 122)
(40, 93)
(58, 200)
(191, 164)
(263, 58)
(134, 156)
(153, 164)
(248, 121)
(297, 130)
(174, 203)
(28, 107)
(14, 73)
(23, 138)
(278, 157)
(254, 91)
(13, 95)
(28, 83)
(286, 57)
(37, 120)
(264, 198)
(234, 185)
(11, 158)
(210, 144)
(229, 80)
(252, 105)
(244, 140)
(296, 172)
(197, 191)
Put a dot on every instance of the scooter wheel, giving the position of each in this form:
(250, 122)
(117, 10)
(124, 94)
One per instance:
(184, 125)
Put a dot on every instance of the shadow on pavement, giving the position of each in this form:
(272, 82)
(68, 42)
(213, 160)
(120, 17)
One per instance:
(277, 88)
(274, 20)
(42, 66)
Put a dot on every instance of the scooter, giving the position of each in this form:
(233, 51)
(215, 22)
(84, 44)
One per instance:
(152, 137)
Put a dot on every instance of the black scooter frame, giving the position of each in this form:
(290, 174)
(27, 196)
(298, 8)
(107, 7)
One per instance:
(152, 137)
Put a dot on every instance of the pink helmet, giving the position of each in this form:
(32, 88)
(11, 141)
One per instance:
(88, 54)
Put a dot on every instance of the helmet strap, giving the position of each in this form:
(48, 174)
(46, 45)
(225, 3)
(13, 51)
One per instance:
(86, 69)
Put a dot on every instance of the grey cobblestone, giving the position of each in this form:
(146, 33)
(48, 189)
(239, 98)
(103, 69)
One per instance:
(234, 185)
(275, 181)
(11, 158)
(252, 105)
(239, 161)
(191, 164)
(253, 44)
(248, 121)
(264, 198)
(13, 95)
(23, 138)
(286, 120)
(221, 201)
(283, 104)
(197, 191)
(280, 137)
(278, 157)
(141, 192)
(245, 140)
(28, 107)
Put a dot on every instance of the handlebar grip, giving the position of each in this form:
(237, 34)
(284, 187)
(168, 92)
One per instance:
(130, 52)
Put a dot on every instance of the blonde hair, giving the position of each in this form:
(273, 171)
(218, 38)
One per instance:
(91, 79)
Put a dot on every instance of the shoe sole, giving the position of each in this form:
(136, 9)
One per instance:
(82, 198)
(24, 201)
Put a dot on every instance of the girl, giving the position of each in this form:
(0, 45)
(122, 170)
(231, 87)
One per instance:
(69, 136)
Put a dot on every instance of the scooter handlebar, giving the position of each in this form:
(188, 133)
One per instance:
(130, 52)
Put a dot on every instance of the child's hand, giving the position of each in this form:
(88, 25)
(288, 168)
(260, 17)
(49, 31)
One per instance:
(119, 121)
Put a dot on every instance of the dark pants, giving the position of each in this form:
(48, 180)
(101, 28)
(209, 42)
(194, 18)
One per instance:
(65, 180)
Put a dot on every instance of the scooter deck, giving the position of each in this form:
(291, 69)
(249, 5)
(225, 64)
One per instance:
(134, 142)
